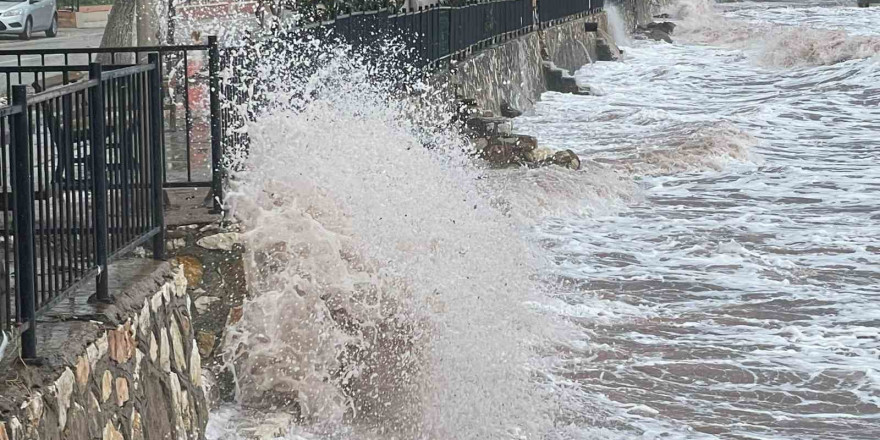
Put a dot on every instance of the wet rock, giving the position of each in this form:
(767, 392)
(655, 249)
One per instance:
(665, 26)
(111, 433)
(559, 80)
(63, 391)
(106, 386)
(164, 352)
(195, 367)
(663, 15)
(203, 303)
(488, 126)
(3, 435)
(144, 319)
(139, 357)
(121, 343)
(154, 348)
(539, 155)
(94, 416)
(175, 244)
(657, 31)
(121, 391)
(504, 151)
(658, 35)
(192, 269)
(223, 241)
(509, 112)
(235, 315)
(205, 342)
(77, 425)
(177, 346)
(137, 429)
(156, 303)
(83, 370)
(568, 159)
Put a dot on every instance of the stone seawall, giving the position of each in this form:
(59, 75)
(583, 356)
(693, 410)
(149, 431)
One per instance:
(124, 371)
(638, 12)
(509, 73)
(514, 73)
(570, 47)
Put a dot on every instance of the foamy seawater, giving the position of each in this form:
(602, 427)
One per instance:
(710, 273)
(738, 298)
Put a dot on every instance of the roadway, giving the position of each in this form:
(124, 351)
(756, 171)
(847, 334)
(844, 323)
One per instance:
(67, 38)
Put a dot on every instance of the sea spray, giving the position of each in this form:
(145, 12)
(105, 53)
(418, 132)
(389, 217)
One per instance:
(617, 25)
(388, 293)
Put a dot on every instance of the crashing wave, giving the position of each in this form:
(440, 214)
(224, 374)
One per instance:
(387, 292)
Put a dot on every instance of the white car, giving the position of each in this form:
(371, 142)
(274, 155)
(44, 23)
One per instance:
(24, 17)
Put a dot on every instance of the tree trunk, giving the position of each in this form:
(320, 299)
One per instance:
(150, 21)
(119, 31)
(133, 22)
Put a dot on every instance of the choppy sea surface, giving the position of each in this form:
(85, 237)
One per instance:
(739, 297)
(713, 271)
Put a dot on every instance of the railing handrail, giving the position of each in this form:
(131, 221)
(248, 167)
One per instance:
(102, 50)
(118, 177)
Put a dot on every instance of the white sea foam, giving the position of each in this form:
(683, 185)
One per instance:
(777, 45)
(733, 298)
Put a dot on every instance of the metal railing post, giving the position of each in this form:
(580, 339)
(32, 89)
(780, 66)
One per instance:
(157, 164)
(23, 194)
(99, 180)
(216, 129)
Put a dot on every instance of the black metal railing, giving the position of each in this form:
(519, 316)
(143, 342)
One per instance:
(192, 152)
(554, 11)
(438, 33)
(82, 174)
(433, 37)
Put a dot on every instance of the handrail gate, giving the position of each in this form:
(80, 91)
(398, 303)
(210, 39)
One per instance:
(81, 167)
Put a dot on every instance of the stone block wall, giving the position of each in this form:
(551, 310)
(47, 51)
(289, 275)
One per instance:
(638, 12)
(509, 73)
(126, 371)
(513, 73)
(569, 46)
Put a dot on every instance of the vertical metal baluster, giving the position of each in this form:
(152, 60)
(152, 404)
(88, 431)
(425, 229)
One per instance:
(188, 114)
(135, 155)
(40, 226)
(6, 306)
(99, 175)
(67, 111)
(57, 204)
(22, 193)
(156, 157)
(142, 125)
(111, 87)
(81, 180)
(216, 133)
(122, 155)
(42, 63)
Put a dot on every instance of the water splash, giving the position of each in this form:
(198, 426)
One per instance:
(388, 293)
(617, 25)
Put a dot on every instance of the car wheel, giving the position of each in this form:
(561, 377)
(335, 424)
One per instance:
(53, 29)
(28, 29)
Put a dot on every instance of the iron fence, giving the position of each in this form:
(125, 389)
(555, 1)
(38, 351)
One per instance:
(192, 150)
(81, 166)
(433, 37)
(554, 11)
